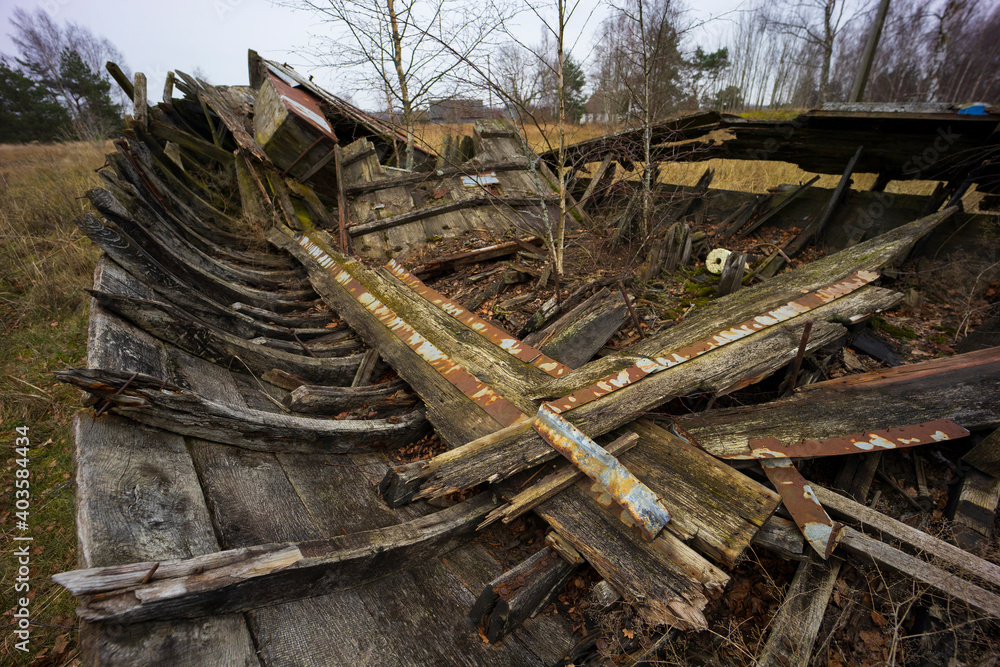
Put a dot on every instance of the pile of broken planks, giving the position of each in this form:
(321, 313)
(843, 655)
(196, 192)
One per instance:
(236, 492)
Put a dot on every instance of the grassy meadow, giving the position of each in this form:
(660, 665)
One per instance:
(45, 264)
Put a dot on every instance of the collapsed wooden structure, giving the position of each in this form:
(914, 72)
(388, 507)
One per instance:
(237, 501)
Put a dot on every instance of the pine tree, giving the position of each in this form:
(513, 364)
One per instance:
(574, 81)
(28, 111)
(89, 96)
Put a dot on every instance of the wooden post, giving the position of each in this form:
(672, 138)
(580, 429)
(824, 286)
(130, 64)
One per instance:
(140, 109)
(341, 198)
(168, 88)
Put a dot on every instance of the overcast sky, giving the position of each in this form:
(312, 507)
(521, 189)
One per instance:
(212, 36)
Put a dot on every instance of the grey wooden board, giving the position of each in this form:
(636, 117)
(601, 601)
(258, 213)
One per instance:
(430, 625)
(138, 499)
(419, 615)
(220, 641)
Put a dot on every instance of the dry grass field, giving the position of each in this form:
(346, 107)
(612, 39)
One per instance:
(46, 264)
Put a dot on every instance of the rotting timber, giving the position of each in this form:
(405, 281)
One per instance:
(250, 383)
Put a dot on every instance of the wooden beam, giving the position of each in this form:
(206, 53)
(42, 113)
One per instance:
(520, 593)
(242, 579)
(976, 510)
(942, 581)
(215, 345)
(961, 388)
(564, 475)
(737, 364)
(190, 142)
(958, 560)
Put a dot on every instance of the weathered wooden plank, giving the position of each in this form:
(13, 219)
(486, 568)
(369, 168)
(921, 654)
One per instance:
(446, 406)
(484, 200)
(428, 628)
(233, 119)
(138, 498)
(796, 625)
(942, 581)
(798, 621)
(656, 578)
(158, 403)
(185, 268)
(563, 476)
(548, 636)
(750, 302)
(985, 455)
(774, 210)
(576, 336)
(961, 388)
(716, 508)
(520, 593)
(976, 510)
(269, 574)
(136, 262)
(957, 559)
(314, 399)
(190, 142)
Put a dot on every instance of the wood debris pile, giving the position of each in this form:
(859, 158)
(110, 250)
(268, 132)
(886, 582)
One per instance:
(580, 442)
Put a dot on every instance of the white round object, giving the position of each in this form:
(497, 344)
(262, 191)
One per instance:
(716, 260)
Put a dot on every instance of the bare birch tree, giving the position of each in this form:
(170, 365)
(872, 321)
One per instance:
(398, 46)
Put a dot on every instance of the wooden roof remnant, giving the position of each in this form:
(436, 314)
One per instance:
(241, 490)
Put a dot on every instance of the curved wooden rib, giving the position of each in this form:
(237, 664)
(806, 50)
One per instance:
(156, 403)
(179, 266)
(213, 344)
(173, 237)
(136, 261)
(192, 228)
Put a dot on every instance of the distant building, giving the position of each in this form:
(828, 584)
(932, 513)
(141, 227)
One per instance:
(597, 109)
(456, 110)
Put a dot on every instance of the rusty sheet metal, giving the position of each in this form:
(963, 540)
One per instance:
(605, 470)
(649, 366)
(926, 433)
(495, 405)
(495, 335)
(820, 531)
(302, 105)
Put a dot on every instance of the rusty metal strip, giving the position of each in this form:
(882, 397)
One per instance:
(649, 366)
(495, 335)
(605, 470)
(820, 531)
(926, 433)
(495, 405)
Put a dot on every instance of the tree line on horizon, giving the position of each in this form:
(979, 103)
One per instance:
(56, 88)
(644, 64)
